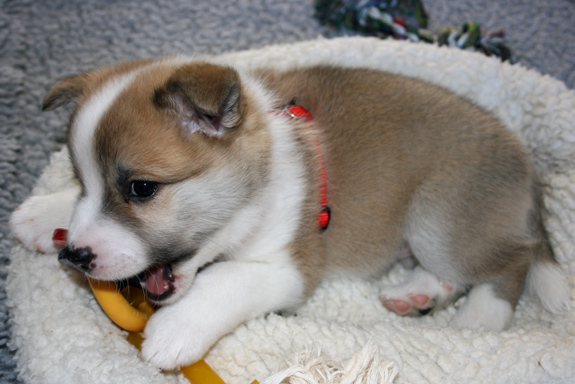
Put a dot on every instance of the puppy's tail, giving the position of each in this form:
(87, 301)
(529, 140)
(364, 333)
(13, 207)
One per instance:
(545, 278)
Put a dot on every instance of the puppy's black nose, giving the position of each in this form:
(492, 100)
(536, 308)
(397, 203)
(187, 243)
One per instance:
(77, 258)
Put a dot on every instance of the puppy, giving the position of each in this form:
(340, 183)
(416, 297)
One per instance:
(228, 195)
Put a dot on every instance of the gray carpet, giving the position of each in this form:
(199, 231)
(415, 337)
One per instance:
(42, 41)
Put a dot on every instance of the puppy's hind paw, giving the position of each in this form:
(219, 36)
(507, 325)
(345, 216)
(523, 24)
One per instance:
(419, 295)
(483, 310)
(412, 304)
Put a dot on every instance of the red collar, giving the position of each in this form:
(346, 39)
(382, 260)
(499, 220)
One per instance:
(300, 113)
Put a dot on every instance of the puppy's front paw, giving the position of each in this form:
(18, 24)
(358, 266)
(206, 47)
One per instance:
(173, 339)
(34, 222)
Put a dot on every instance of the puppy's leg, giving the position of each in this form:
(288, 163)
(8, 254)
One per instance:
(420, 294)
(491, 302)
(222, 297)
(35, 220)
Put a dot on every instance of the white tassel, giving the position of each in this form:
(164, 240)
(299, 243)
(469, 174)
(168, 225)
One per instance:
(365, 367)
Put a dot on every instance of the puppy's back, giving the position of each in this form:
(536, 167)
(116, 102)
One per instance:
(389, 141)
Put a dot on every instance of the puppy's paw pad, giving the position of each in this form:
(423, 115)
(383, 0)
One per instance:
(412, 304)
(420, 300)
(398, 306)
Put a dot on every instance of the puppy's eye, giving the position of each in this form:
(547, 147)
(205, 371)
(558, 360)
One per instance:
(143, 189)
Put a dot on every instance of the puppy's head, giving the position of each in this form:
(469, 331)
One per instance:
(169, 156)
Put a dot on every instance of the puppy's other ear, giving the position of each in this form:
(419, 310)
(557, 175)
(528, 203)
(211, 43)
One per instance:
(64, 91)
(204, 97)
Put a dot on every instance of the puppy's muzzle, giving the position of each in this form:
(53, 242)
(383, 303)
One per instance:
(77, 258)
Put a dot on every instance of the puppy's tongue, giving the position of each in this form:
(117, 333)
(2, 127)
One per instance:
(158, 282)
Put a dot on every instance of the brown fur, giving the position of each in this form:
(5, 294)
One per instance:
(79, 87)
(403, 157)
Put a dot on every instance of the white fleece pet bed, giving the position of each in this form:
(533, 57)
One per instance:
(63, 337)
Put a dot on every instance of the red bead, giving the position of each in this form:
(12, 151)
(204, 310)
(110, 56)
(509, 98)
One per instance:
(323, 219)
(60, 237)
(299, 111)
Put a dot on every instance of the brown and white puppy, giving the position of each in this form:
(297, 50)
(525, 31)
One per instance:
(192, 181)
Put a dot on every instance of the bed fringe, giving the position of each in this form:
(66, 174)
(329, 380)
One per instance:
(365, 367)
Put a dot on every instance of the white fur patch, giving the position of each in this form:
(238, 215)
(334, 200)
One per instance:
(427, 232)
(484, 310)
(119, 253)
(285, 193)
(88, 228)
(548, 282)
(84, 128)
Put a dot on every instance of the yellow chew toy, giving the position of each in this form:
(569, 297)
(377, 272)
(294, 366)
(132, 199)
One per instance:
(130, 311)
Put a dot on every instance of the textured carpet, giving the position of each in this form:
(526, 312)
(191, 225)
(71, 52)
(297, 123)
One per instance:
(40, 42)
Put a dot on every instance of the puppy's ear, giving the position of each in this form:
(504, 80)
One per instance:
(64, 91)
(204, 97)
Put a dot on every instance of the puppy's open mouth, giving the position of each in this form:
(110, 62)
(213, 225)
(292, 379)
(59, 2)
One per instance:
(157, 282)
